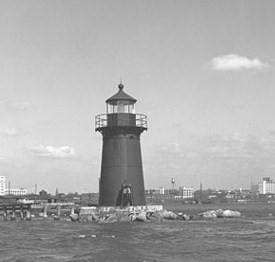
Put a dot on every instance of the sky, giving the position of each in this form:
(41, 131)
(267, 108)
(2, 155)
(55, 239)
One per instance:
(202, 72)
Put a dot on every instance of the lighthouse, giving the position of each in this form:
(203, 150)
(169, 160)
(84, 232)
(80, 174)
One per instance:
(121, 178)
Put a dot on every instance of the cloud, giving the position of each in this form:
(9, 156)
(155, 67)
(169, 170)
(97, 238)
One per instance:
(53, 152)
(216, 146)
(4, 131)
(240, 146)
(233, 62)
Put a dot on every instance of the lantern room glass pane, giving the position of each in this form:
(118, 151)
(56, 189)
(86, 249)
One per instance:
(131, 109)
(110, 109)
(121, 106)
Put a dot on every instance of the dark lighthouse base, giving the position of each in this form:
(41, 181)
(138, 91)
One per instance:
(121, 182)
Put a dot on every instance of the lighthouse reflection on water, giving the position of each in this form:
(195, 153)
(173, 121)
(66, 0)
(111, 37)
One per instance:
(121, 179)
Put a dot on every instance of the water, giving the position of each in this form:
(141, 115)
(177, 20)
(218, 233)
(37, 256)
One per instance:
(249, 238)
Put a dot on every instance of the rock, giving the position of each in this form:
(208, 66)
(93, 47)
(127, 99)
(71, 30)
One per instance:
(187, 217)
(169, 215)
(149, 214)
(180, 216)
(109, 218)
(87, 214)
(141, 216)
(231, 214)
(220, 214)
(153, 216)
(209, 214)
(123, 217)
(74, 217)
(87, 218)
(156, 216)
(132, 217)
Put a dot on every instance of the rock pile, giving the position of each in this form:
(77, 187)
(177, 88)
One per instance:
(93, 215)
(220, 214)
(125, 216)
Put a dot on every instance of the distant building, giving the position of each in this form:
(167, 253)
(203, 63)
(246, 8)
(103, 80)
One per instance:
(16, 191)
(43, 193)
(10, 191)
(186, 193)
(267, 186)
(161, 190)
(171, 192)
(2, 185)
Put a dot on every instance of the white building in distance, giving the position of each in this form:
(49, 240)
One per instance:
(16, 191)
(267, 186)
(2, 185)
(10, 191)
(161, 190)
(186, 192)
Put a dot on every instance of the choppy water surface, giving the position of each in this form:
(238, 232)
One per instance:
(249, 238)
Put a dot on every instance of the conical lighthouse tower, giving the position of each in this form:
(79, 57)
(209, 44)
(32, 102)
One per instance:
(121, 180)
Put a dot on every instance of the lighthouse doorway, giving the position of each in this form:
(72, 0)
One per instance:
(125, 196)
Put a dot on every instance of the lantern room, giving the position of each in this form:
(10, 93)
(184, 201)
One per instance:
(120, 102)
(120, 112)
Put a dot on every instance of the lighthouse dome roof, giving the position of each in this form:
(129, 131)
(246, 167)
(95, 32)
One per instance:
(120, 95)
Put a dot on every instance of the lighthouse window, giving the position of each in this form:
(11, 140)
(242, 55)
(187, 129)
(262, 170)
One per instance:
(131, 108)
(121, 107)
(110, 108)
(115, 109)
